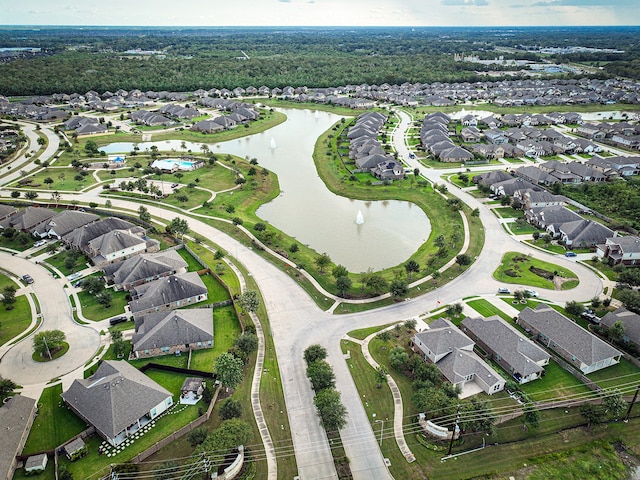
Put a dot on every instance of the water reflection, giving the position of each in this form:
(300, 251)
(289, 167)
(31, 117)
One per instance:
(306, 210)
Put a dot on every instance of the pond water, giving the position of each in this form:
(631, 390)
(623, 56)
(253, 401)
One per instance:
(386, 233)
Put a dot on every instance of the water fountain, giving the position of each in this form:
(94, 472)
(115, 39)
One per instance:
(273, 143)
(359, 218)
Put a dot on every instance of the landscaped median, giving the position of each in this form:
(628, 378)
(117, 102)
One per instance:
(518, 268)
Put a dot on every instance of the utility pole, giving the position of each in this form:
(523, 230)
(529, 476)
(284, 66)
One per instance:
(635, 397)
(455, 428)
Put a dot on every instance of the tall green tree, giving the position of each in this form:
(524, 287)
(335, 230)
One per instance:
(332, 413)
(228, 368)
(46, 342)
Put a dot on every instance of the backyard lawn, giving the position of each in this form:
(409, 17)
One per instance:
(92, 310)
(557, 384)
(624, 375)
(55, 423)
(519, 269)
(58, 261)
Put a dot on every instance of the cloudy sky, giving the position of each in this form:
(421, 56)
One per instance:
(320, 12)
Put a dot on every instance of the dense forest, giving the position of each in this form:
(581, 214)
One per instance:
(182, 59)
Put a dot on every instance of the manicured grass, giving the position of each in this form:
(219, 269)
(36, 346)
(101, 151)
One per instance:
(63, 348)
(58, 260)
(624, 375)
(487, 309)
(551, 247)
(55, 423)
(557, 383)
(609, 272)
(63, 180)
(217, 292)
(518, 266)
(521, 228)
(6, 281)
(508, 212)
(363, 333)
(195, 197)
(15, 321)
(192, 263)
(92, 310)
(214, 177)
(227, 275)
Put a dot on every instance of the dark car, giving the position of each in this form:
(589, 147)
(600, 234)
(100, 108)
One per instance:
(117, 320)
(570, 254)
(28, 279)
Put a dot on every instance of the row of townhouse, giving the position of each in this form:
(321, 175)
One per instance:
(435, 138)
(622, 134)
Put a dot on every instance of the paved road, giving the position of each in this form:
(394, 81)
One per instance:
(55, 308)
(296, 323)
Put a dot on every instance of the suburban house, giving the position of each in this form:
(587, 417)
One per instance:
(492, 177)
(63, 223)
(28, 218)
(510, 186)
(79, 238)
(576, 345)
(388, 170)
(584, 233)
(616, 166)
(532, 199)
(455, 154)
(16, 417)
(6, 211)
(119, 244)
(446, 346)
(206, 126)
(621, 250)
(630, 321)
(172, 332)
(514, 352)
(167, 293)
(117, 400)
(550, 218)
(144, 268)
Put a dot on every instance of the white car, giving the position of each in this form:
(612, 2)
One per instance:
(531, 293)
(39, 243)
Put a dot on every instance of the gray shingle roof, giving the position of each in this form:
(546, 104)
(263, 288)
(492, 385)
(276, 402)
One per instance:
(80, 237)
(116, 396)
(514, 348)
(28, 218)
(14, 415)
(114, 241)
(65, 222)
(568, 335)
(167, 290)
(630, 321)
(443, 337)
(177, 327)
(145, 265)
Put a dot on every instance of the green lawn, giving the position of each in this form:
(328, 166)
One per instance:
(92, 310)
(207, 256)
(16, 321)
(55, 423)
(64, 179)
(551, 247)
(214, 177)
(6, 281)
(487, 309)
(557, 383)
(624, 375)
(515, 269)
(217, 292)
(192, 264)
(365, 332)
(58, 260)
(508, 212)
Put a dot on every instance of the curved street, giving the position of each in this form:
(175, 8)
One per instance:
(296, 322)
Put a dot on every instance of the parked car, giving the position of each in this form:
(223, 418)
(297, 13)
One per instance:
(570, 254)
(117, 320)
(174, 185)
(39, 243)
(531, 293)
(590, 315)
(412, 155)
(504, 290)
(28, 279)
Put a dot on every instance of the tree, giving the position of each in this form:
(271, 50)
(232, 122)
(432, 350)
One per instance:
(377, 284)
(531, 415)
(15, 194)
(104, 298)
(314, 353)
(259, 227)
(630, 299)
(343, 284)
(247, 343)
(322, 262)
(411, 267)
(321, 375)
(229, 409)
(229, 370)
(178, 226)
(384, 336)
(231, 434)
(463, 260)
(45, 343)
(197, 436)
(616, 331)
(398, 288)
(107, 204)
(613, 403)
(574, 308)
(93, 285)
(9, 297)
(332, 413)
(48, 181)
(398, 358)
(454, 309)
(339, 271)
(410, 324)
(293, 248)
(593, 414)
(6, 388)
(30, 195)
(433, 400)
(478, 417)
(143, 214)
(440, 241)
(381, 376)
(249, 301)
